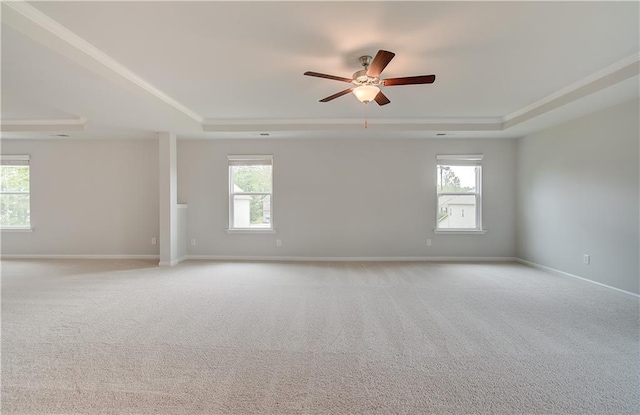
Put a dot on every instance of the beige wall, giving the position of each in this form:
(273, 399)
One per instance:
(578, 190)
(94, 197)
(347, 198)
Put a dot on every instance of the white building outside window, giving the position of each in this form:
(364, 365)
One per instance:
(459, 192)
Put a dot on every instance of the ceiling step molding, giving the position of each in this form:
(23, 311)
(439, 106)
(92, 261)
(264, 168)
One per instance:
(435, 124)
(609, 76)
(32, 22)
(54, 126)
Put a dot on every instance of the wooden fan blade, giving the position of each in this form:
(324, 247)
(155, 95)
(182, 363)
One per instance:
(334, 96)
(409, 80)
(382, 99)
(380, 62)
(325, 76)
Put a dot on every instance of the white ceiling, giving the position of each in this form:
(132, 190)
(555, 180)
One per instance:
(238, 65)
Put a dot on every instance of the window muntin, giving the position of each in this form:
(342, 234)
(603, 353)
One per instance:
(250, 192)
(459, 192)
(15, 199)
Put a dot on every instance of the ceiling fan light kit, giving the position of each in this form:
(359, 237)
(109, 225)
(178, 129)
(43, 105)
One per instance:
(367, 81)
(366, 93)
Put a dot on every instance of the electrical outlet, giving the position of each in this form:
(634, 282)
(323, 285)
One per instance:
(153, 241)
(586, 259)
(428, 242)
(278, 242)
(193, 241)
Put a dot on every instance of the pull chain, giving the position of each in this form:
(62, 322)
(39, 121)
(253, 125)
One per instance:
(366, 125)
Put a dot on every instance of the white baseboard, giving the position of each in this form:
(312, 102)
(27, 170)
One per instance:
(349, 259)
(172, 263)
(566, 274)
(265, 258)
(76, 256)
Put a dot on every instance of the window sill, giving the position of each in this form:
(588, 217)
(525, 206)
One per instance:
(460, 232)
(254, 231)
(16, 229)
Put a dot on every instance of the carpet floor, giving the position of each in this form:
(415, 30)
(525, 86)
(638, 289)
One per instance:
(111, 336)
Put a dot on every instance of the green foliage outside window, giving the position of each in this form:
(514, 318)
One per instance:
(449, 182)
(14, 196)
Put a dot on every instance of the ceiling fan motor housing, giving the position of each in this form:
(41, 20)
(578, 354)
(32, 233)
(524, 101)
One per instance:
(360, 77)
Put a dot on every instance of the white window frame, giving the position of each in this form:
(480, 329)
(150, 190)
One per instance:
(249, 160)
(17, 160)
(461, 160)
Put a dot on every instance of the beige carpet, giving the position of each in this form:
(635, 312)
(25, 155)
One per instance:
(93, 336)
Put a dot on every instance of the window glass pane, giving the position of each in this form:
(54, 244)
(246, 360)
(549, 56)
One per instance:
(457, 179)
(457, 212)
(251, 178)
(252, 211)
(14, 210)
(14, 178)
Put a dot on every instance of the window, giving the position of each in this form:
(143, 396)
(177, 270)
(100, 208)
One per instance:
(250, 193)
(459, 186)
(14, 192)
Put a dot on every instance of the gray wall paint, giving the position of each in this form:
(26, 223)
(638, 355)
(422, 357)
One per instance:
(95, 197)
(578, 190)
(347, 198)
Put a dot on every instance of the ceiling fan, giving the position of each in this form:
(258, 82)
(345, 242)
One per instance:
(367, 81)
